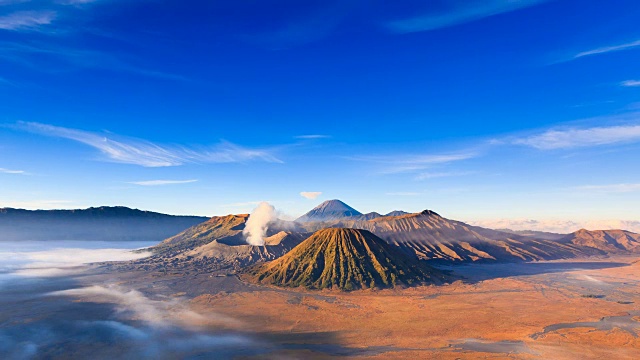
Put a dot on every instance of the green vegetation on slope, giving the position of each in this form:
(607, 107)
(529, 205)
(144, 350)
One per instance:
(346, 259)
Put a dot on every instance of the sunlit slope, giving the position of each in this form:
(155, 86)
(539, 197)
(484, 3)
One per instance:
(345, 259)
(607, 241)
(218, 227)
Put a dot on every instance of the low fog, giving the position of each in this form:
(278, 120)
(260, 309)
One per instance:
(51, 309)
(59, 258)
(112, 322)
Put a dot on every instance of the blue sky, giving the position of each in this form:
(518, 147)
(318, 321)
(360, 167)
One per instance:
(475, 109)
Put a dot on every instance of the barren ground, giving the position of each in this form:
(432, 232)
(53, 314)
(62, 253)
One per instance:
(549, 310)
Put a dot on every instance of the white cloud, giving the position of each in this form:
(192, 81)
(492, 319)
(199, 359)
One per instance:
(313, 136)
(161, 182)
(608, 49)
(611, 188)
(434, 175)
(630, 83)
(572, 138)
(26, 20)
(75, 2)
(557, 225)
(8, 171)
(12, 2)
(38, 56)
(407, 163)
(148, 154)
(459, 12)
(6, 82)
(311, 195)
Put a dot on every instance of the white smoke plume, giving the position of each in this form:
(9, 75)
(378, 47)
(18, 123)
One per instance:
(256, 227)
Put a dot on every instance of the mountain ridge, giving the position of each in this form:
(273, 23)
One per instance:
(607, 241)
(104, 223)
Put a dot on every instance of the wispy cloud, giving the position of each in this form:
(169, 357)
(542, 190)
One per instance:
(45, 56)
(611, 188)
(12, 2)
(459, 12)
(6, 82)
(148, 154)
(8, 171)
(404, 193)
(161, 182)
(608, 49)
(406, 163)
(311, 195)
(313, 136)
(26, 20)
(630, 83)
(573, 137)
(75, 2)
(242, 204)
(435, 175)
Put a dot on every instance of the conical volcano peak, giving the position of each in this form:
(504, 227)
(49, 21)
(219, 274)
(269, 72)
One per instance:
(329, 210)
(429, 213)
(345, 259)
(336, 205)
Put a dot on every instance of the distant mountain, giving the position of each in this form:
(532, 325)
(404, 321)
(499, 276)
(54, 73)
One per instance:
(429, 236)
(345, 259)
(535, 234)
(329, 210)
(607, 241)
(93, 224)
(369, 216)
(397, 213)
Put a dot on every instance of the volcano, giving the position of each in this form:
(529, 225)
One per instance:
(345, 259)
(329, 210)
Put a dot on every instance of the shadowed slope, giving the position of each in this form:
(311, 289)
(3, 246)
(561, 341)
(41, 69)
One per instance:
(429, 236)
(346, 259)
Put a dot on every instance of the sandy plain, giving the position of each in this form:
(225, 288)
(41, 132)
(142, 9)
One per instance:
(578, 309)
